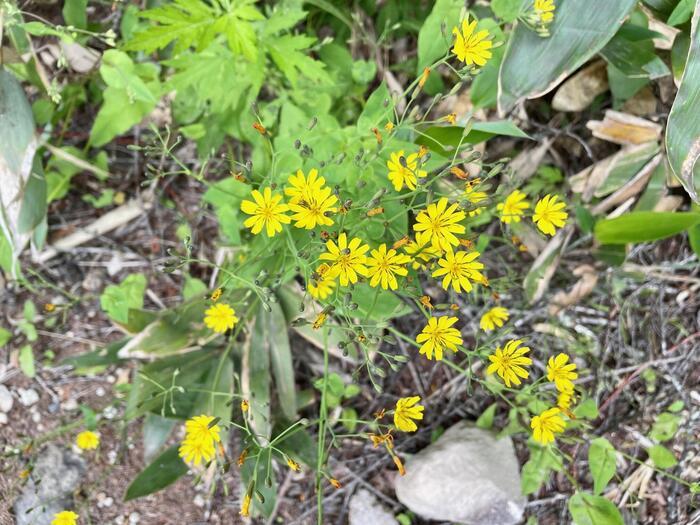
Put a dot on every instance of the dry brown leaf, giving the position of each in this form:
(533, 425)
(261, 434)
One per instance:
(669, 203)
(624, 129)
(643, 103)
(631, 189)
(525, 163)
(588, 278)
(579, 92)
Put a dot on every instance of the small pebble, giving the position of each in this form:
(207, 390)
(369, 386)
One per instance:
(70, 404)
(134, 517)
(28, 397)
(6, 399)
(3, 418)
(36, 417)
(112, 457)
(100, 391)
(199, 500)
(109, 412)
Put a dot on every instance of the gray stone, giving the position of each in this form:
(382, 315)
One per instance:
(366, 510)
(28, 397)
(6, 399)
(466, 476)
(49, 490)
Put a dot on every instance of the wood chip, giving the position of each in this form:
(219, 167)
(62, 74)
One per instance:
(624, 129)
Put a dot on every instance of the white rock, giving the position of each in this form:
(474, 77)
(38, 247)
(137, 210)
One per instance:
(366, 510)
(6, 399)
(28, 397)
(3, 418)
(466, 476)
(134, 517)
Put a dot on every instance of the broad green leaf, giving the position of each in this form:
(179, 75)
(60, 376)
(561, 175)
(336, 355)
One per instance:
(193, 287)
(665, 427)
(21, 185)
(266, 486)
(444, 140)
(543, 460)
(533, 66)
(587, 509)
(117, 115)
(256, 376)
(602, 462)
(683, 128)
(506, 10)
(116, 300)
(485, 420)
(281, 358)
(644, 226)
(634, 57)
(662, 457)
(89, 417)
(164, 470)
(26, 361)
(435, 36)
(156, 430)
(682, 12)
(694, 239)
(484, 88)
(377, 111)
(74, 13)
(5, 336)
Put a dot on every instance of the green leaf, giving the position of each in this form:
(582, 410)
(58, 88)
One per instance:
(485, 420)
(506, 10)
(433, 43)
(484, 89)
(682, 13)
(644, 226)
(74, 13)
(193, 287)
(533, 66)
(662, 457)
(586, 409)
(156, 430)
(543, 460)
(26, 361)
(443, 140)
(255, 376)
(683, 128)
(116, 300)
(163, 471)
(277, 339)
(602, 462)
(665, 427)
(89, 417)
(33, 209)
(587, 509)
(5, 336)
(634, 57)
(377, 111)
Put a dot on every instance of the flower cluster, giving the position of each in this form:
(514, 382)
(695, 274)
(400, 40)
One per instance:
(201, 437)
(549, 214)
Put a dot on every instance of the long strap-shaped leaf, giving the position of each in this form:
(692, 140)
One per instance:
(683, 130)
(533, 66)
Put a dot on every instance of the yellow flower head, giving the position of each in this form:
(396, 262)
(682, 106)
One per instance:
(545, 10)
(458, 268)
(561, 372)
(549, 214)
(474, 196)
(302, 188)
(439, 224)
(201, 435)
(87, 440)
(245, 506)
(220, 317)
(321, 285)
(421, 253)
(495, 317)
(510, 362)
(564, 400)
(437, 335)
(385, 265)
(406, 411)
(346, 260)
(216, 294)
(293, 465)
(267, 212)
(470, 46)
(315, 210)
(513, 207)
(546, 425)
(65, 517)
(320, 320)
(404, 173)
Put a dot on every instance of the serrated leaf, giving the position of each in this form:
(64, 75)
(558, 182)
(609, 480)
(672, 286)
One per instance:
(164, 470)
(602, 462)
(579, 30)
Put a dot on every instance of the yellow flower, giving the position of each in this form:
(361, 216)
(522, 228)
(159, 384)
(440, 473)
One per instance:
(220, 317)
(495, 317)
(245, 506)
(513, 207)
(549, 214)
(470, 47)
(201, 435)
(385, 265)
(302, 188)
(474, 196)
(509, 363)
(404, 173)
(561, 372)
(321, 284)
(266, 211)
(458, 268)
(320, 320)
(315, 210)
(451, 118)
(438, 224)
(336, 484)
(406, 411)
(421, 253)
(347, 260)
(545, 10)
(546, 425)
(216, 294)
(389, 126)
(293, 465)
(65, 517)
(245, 406)
(437, 335)
(87, 440)
(564, 400)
